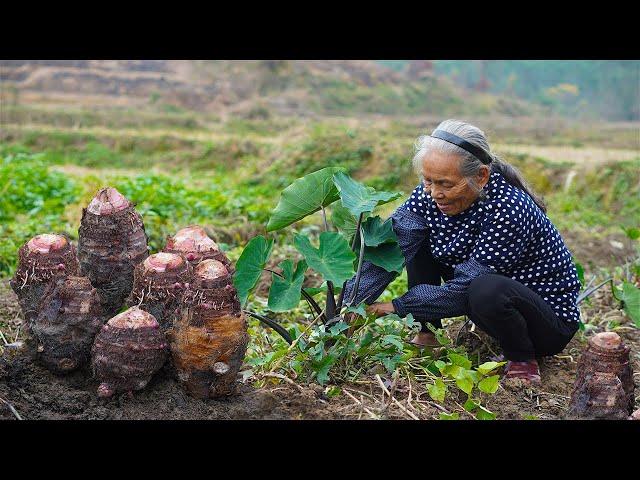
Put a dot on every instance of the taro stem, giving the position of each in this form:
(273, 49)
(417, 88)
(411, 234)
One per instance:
(353, 249)
(271, 323)
(359, 272)
(331, 299)
(312, 303)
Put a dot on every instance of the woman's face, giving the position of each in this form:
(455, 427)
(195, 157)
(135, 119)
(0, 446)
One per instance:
(450, 190)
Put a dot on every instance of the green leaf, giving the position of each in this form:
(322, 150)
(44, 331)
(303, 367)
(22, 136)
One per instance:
(391, 363)
(323, 367)
(489, 384)
(333, 259)
(360, 310)
(338, 328)
(284, 293)
(343, 220)
(465, 384)
(303, 197)
(631, 302)
(250, 264)
(439, 365)
(470, 405)
(358, 198)
(388, 256)
(486, 367)
(461, 360)
(449, 416)
(484, 414)
(376, 232)
(438, 390)
(632, 232)
(392, 340)
(452, 371)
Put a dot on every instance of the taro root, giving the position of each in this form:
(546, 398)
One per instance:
(68, 320)
(111, 242)
(127, 352)
(41, 260)
(196, 246)
(604, 380)
(159, 285)
(635, 415)
(209, 338)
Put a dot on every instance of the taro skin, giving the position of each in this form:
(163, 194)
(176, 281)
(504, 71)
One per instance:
(111, 242)
(41, 260)
(127, 352)
(209, 339)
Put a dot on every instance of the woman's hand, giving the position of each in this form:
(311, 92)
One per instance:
(381, 309)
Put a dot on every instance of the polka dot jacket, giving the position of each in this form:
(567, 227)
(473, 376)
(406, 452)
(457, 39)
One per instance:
(505, 233)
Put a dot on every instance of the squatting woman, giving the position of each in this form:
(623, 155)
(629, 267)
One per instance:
(474, 223)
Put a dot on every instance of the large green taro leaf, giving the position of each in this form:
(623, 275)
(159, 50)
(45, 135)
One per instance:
(343, 220)
(284, 293)
(631, 299)
(358, 198)
(388, 256)
(250, 264)
(333, 259)
(377, 232)
(303, 197)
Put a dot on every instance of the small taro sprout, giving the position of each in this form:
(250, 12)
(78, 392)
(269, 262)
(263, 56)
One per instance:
(40, 261)
(127, 352)
(159, 285)
(209, 338)
(68, 320)
(111, 242)
(194, 243)
(604, 380)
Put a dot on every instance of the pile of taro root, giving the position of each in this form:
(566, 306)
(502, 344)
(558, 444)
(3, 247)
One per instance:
(127, 313)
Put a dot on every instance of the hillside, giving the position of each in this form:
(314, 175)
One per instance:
(250, 88)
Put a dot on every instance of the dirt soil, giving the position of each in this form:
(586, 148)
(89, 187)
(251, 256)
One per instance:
(32, 392)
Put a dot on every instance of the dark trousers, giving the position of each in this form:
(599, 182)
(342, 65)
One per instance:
(518, 318)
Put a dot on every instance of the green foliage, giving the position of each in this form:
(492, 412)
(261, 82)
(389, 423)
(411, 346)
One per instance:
(631, 302)
(250, 264)
(29, 187)
(377, 232)
(388, 256)
(359, 199)
(303, 197)
(330, 354)
(285, 292)
(333, 258)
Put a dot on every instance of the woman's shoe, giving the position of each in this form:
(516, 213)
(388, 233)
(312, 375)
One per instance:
(424, 340)
(528, 371)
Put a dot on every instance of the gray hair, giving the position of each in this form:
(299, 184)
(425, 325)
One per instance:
(470, 165)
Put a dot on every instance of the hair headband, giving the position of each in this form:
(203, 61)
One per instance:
(477, 152)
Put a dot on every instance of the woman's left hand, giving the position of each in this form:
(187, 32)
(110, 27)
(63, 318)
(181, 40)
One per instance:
(381, 309)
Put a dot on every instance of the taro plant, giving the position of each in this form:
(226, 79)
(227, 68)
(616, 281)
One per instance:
(355, 236)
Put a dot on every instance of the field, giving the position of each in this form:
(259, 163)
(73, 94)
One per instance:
(183, 168)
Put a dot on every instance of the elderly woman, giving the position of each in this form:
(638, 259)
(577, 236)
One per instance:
(474, 223)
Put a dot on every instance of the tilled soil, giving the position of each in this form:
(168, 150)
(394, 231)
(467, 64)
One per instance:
(35, 393)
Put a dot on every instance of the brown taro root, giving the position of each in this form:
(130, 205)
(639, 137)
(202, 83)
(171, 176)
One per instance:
(68, 320)
(40, 260)
(128, 350)
(159, 285)
(604, 380)
(194, 243)
(111, 242)
(209, 338)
